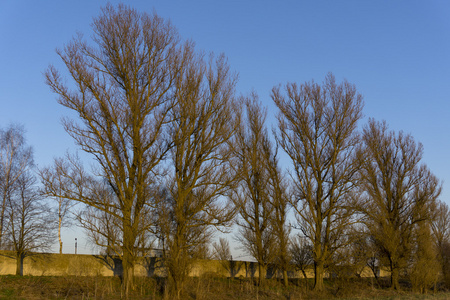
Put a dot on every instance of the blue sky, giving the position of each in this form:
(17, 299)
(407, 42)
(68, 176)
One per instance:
(397, 53)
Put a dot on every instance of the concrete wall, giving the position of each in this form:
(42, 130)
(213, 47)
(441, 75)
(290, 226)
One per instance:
(94, 265)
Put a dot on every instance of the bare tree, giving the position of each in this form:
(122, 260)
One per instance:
(302, 255)
(64, 206)
(440, 224)
(103, 227)
(399, 193)
(203, 124)
(64, 218)
(15, 158)
(253, 195)
(279, 199)
(122, 91)
(30, 225)
(222, 252)
(361, 254)
(374, 257)
(318, 130)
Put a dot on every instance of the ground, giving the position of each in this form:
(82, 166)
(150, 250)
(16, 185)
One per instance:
(205, 287)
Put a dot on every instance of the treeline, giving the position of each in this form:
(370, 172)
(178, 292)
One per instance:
(177, 154)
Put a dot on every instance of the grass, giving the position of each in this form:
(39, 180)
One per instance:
(205, 287)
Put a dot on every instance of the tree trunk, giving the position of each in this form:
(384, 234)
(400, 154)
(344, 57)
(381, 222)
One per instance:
(127, 259)
(59, 235)
(127, 276)
(318, 276)
(176, 272)
(285, 278)
(394, 279)
(1, 228)
(306, 279)
(233, 268)
(2, 218)
(177, 264)
(19, 263)
(261, 274)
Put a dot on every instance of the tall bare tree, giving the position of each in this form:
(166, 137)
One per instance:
(253, 195)
(203, 124)
(121, 91)
(399, 193)
(279, 191)
(29, 220)
(318, 130)
(15, 158)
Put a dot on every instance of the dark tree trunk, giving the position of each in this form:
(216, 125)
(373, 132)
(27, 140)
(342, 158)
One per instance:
(318, 276)
(19, 263)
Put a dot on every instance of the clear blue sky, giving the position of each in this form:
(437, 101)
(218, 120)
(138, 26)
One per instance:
(397, 53)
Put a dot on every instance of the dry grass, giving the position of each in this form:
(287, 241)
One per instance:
(205, 287)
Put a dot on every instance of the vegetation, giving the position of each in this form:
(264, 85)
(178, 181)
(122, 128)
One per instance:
(176, 156)
(398, 196)
(25, 226)
(207, 287)
(318, 130)
(122, 93)
(15, 158)
(202, 125)
(253, 196)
